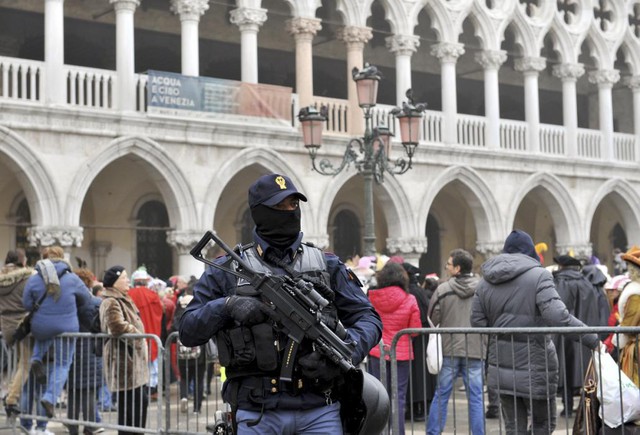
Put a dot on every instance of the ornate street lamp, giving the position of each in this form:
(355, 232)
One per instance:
(371, 153)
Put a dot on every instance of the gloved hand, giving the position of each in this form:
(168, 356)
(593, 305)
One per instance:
(246, 310)
(317, 367)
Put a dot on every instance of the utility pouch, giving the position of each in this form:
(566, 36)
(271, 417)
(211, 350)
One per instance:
(224, 348)
(244, 350)
(266, 353)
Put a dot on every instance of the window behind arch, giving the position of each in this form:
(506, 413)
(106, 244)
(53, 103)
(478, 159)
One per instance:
(23, 223)
(152, 248)
(346, 235)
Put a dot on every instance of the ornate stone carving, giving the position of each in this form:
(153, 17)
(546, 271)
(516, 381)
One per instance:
(407, 245)
(303, 27)
(604, 76)
(633, 82)
(403, 44)
(48, 236)
(489, 249)
(248, 17)
(192, 8)
(568, 71)
(125, 5)
(447, 52)
(491, 58)
(353, 35)
(183, 241)
(530, 64)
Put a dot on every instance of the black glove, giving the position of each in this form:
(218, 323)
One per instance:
(246, 310)
(315, 366)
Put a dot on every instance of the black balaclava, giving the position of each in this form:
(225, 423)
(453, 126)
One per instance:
(278, 227)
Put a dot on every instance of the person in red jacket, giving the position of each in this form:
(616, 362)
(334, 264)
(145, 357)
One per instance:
(151, 309)
(398, 310)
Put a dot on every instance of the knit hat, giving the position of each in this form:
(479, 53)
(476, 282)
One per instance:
(111, 276)
(519, 242)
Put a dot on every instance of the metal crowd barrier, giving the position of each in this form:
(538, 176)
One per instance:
(458, 414)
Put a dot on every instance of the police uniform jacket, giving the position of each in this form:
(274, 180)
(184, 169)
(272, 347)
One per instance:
(206, 315)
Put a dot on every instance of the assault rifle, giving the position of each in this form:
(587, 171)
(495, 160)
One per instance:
(297, 306)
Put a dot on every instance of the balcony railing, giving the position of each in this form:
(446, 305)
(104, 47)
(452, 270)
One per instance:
(23, 80)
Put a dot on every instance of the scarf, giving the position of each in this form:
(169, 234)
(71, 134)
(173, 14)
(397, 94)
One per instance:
(49, 275)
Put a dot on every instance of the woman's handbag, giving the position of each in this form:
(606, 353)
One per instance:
(434, 351)
(24, 327)
(587, 421)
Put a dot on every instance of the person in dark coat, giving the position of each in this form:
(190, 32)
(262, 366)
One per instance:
(598, 279)
(581, 299)
(516, 291)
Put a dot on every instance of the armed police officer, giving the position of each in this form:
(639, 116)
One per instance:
(267, 396)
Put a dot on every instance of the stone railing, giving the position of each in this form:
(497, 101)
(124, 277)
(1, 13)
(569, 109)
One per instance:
(21, 79)
(552, 139)
(90, 87)
(471, 130)
(589, 143)
(513, 135)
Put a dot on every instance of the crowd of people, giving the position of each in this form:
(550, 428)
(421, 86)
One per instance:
(364, 302)
(96, 375)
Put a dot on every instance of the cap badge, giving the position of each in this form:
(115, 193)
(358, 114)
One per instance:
(280, 181)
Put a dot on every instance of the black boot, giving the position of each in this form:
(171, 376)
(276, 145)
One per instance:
(418, 411)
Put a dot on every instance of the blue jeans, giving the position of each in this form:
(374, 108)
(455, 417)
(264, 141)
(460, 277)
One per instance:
(404, 368)
(323, 420)
(64, 349)
(472, 371)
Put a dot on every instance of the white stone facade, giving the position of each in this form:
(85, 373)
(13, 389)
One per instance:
(77, 144)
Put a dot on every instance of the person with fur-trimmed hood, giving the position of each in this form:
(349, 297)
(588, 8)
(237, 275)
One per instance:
(13, 277)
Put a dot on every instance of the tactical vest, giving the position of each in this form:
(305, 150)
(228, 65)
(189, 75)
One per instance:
(258, 350)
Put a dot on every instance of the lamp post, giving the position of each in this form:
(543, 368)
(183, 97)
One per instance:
(369, 154)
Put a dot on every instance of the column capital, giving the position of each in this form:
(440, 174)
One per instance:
(489, 249)
(632, 82)
(491, 59)
(248, 18)
(604, 77)
(184, 240)
(125, 5)
(54, 235)
(407, 245)
(354, 35)
(402, 44)
(447, 52)
(568, 71)
(530, 64)
(189, 9)
(303, 28)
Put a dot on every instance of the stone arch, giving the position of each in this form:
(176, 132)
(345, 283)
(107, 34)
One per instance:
(562, 43)
(441, 14)
(630, 213)
(171, 181)
(34, 177)
(490, 24)
(631, 49)
(265, 157)
(354, 13)
(395, 204)
(483, 205)
(564, 214)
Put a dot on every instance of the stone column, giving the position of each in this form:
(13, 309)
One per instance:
(190, 12)
(303, 31)
(183, 241)
(605, 80)
(55, 80)
(569, 73)
(410, 248)
(633, 83)
(249, 21)
(530, 67)
(354, 39)
(491, 61)
(99, 252)
(403, 46)
(448, 53)
(125, 54)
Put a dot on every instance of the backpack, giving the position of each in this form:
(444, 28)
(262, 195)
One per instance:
(186, 352)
